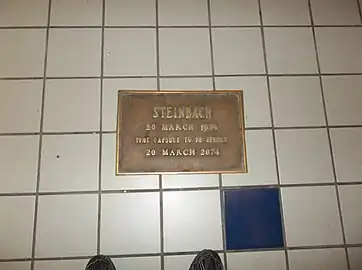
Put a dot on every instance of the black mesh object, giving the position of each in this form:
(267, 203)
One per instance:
(100, 262)
(207, 260)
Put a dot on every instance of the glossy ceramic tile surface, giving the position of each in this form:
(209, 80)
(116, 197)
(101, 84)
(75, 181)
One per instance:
(253, 219)
(299, 63)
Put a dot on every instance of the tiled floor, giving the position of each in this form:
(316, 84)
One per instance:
(300, 65)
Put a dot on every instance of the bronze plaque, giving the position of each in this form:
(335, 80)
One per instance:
(180, 132)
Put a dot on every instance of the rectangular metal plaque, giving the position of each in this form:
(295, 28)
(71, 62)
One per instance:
(180, 132)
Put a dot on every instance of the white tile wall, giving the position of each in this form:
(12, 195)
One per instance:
(142, 263)
(178, 56)
(338, 12)
(69, 162)
(311, 216)
(24, 13)
(273, 260)
(237, 51)
(339, 49)
(80, 113)
(311, 161)
(297, 101)
(347, 147)
(234, 12)
(351, 201)
(59, 265)
(24, 94)
(57, 134)
(74, 52)
(355, 257)
(180, 262)
(130, 12)
(290, 50)
(15, 265)
(79, 13)
(187, 12)
(136, 48)
(125, 230)
(323, 259)
(343, 96)
(22, 52)
(285, 12)
(185, 216)
(16, 226)
(63, 218)
(260, 155)
(19, 172)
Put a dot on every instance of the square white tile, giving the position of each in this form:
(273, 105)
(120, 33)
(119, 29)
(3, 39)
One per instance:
(297, 101)
(130, 223)
(179, 56)
(237, 51)
(112, 182)
(311, 216)
(76, 13)
(260, 154)
(285, 12)
(22, 52)
(187, 12)
(60, 265)
(15, 265)
(343, 97)
(347, 149)
(321, 259)
(130, 12)
(74, 52)
(69, 162)
(304, 156)
(179, 262)
(139, 263)
(335, 12)
(351, 201)
(16, 226)
(355, 258)
(72, 105)
(24, 94)
(110, 97)
(190, 180)
(290, 50)
(339, 49)
(196, 224)
(186, 84)
(234, 12)
(18, 163)
(67, 226)
(256, 98)
(136, 48)
(272, 260)
(182, 262)
(24, 13)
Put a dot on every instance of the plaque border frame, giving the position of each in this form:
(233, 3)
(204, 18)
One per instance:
(241, 112)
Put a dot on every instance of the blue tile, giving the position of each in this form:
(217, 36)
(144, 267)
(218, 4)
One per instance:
(253, 219)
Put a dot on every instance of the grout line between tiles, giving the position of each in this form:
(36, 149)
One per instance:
(181, 253)
(114, 132)
(99, 216)
(286, 255)
(359, 9)
(122, 191)
(328, 134)
(36, 205)
(183, 76)
(160, 180)
(221, 193)
(29, 27)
